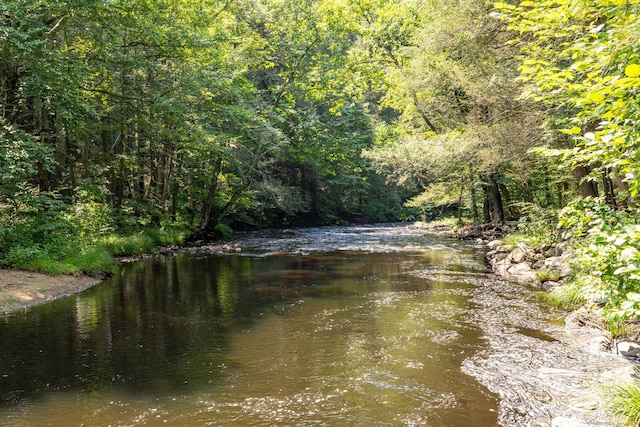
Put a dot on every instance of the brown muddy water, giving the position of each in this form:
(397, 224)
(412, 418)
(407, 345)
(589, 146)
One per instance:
(340, 326)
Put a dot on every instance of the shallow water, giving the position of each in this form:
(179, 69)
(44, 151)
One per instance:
(378, 325)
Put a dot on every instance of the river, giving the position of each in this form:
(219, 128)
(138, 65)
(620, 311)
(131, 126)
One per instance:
(386, 325)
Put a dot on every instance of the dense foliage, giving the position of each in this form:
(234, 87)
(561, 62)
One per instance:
(128, 115)
(132, 123)
(582, 61)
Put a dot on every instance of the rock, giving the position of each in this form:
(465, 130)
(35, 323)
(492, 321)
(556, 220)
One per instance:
(517, 255)
(551, 252)
(628, 349)
(494, 244)
(494, 256)
(522, 271)
(598, 344)
(568, 422)
(563, 249)
(548, 285)
(504, 248)
(500, 267)
(521, 267)
(559, 265)
(538, 264)
(500, 256)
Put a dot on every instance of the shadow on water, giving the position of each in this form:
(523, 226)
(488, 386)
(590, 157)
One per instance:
(386, 325)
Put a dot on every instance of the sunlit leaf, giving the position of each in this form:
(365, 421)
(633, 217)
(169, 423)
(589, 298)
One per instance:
(632, 70)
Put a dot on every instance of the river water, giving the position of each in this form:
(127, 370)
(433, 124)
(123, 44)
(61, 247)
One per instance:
(357, 326)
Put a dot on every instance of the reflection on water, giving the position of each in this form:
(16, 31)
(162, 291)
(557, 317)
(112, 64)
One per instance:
(308, 337)
(331, 326)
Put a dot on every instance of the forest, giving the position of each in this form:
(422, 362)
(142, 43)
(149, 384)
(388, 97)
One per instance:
(126, 124)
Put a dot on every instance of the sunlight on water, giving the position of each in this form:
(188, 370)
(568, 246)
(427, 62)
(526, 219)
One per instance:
(358, 326)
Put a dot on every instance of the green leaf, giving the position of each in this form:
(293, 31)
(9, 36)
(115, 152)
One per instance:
(596, 97)
(503, 5)
(632, 70)
(572, 131)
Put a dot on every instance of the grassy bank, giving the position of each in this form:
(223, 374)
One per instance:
(77, 254)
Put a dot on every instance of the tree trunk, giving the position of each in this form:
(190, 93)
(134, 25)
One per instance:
(207, 210)
(496, 200)
(609, 191)
(474, 199)
(486, 204)
(587, 188)
(624, 201)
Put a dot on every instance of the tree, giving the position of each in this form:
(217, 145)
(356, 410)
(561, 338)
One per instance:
(453, 79)
(583, 64)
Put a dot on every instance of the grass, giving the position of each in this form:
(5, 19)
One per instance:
(544, 274)
(166, 235)
(624, 401)
(127, 245)
(71, 256)
(566, 297)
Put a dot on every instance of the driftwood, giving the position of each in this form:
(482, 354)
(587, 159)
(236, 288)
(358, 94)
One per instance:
(486, 232)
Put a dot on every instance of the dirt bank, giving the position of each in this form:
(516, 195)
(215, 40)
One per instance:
(20, 289)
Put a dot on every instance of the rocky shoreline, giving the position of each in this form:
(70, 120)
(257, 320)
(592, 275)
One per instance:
(546, 269)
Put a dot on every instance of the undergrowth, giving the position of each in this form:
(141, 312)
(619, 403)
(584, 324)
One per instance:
(77, 240)
(624, 401)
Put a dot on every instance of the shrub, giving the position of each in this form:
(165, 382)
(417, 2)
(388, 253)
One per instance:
(608, 256)
(92, 220)
(538, 225)
(19, 256)
(127, 245)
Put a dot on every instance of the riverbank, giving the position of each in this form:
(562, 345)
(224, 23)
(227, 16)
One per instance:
(529, 363)
(21, 289)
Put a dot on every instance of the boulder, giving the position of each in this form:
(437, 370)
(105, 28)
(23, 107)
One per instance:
(494, 256)
(548, 285)
(558, 264)
(501, 267)
(499, 256)
(551, 252)
(563, 249)
(494, 244)
(628, 348)
(522, 271)
(504, 248)
(517, 255)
